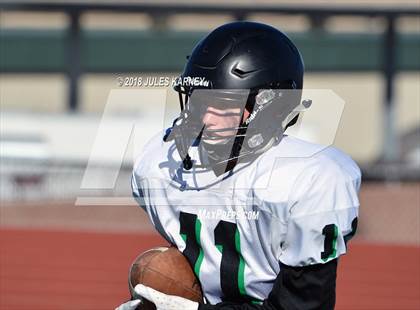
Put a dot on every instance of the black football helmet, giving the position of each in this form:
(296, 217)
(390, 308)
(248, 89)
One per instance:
(248, 65)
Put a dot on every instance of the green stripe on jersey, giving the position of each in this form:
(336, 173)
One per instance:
(241, 271)
(200, 258)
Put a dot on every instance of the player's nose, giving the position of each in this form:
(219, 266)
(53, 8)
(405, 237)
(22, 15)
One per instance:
(210, 118)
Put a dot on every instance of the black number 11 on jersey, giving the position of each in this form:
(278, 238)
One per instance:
(227, 241)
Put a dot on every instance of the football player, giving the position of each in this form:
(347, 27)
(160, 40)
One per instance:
(261, 216)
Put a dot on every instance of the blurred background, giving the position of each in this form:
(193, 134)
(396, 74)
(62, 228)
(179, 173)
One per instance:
(59, 62)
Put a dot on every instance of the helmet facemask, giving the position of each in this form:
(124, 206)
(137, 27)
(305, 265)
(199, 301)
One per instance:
(221, 148)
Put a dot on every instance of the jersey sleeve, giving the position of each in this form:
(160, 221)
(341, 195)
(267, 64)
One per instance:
(323, 211)
(140, 167)
(136, 190)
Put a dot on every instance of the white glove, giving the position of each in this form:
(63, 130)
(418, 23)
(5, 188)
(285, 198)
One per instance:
(129, 305)
(163, 301)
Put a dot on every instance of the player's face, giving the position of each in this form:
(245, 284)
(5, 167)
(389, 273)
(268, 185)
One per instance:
(217, 118)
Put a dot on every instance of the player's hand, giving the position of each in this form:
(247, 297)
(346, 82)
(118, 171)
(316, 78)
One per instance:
(163, 301)
(129, 305)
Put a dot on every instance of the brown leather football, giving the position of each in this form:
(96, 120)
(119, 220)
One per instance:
(167, 270)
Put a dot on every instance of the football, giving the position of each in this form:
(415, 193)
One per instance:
(167, 270)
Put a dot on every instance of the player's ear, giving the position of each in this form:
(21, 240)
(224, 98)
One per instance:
(245, 115)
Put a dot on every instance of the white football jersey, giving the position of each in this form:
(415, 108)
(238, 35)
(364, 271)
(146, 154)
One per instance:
(297, 204)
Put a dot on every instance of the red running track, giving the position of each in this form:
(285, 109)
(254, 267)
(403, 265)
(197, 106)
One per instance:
(54, 270)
